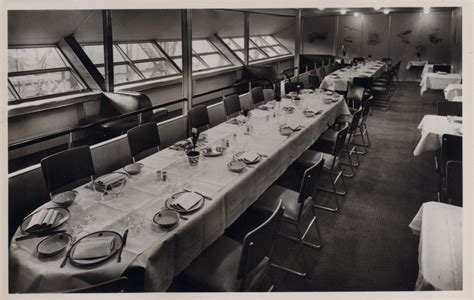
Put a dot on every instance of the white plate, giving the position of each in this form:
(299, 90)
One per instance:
(170, 201)
(236, 166)
(134, 168)
(166, 218)
(237, 157)
(63, 216)
(92, 262)
(65, 199)
(53, 244)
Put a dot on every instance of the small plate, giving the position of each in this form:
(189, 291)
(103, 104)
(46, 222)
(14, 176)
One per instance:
(175, 197)
(327, 100)
(95, 261)
(288, 109)
(213, 151)
(309, 113)
(134, 168)
(63, 216)
(54, 244)
(236, 166)
(166, 218)
(65, 199)
(286, 131)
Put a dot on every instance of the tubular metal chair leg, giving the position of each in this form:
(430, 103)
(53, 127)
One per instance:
(289, 270)
(302, 237)
(350, 164)
(366, 132)
(333, 184)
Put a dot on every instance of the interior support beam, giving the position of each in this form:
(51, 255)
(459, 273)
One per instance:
(246, 37)
(298, 34)
(187, 51)
(108, 49)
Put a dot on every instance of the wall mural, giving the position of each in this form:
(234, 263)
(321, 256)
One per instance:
(350, 28)
(434, 37)
(404, 36)
(317, 36)
(374, 39)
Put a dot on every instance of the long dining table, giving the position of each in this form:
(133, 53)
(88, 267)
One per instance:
(160, 254)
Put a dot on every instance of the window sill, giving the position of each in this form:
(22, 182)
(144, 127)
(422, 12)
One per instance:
(50, 103)
(271, 60)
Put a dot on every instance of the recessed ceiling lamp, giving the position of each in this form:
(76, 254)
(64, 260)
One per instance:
(356, 14)
(377, 7)
(343, 11)
(321, 8)
(386, 11)
(426, 10)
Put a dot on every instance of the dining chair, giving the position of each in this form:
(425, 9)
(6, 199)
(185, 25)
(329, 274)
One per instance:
(387, 60)
(366, 83)
(453, 189)
(332, 166)
(297, 206)
(314, 81)
(355, 94)
(361, 131)
(359, 59)
(442, 68)
(257, 96)
(322, 72)
(232, 106)
(451, 150)
(198, 118)
(118, 285)
(143, 140)
(293, 86)
(67, 167)
(228, 266)
(447, 108)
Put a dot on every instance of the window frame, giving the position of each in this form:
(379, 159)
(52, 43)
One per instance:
(254, 46)
(67, 68)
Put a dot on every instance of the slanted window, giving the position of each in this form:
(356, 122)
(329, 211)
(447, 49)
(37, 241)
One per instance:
(132, 61)
(205, 55)
(260, 47)
(39, 72)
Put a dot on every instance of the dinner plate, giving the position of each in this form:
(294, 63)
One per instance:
(63, 216)
(236, 166)
(238, 155)
(166, 218)
(54, 244)
(134, 168)
(212, 151)
(117, 244)
(174, 198)
(118, 183)
(65, 199)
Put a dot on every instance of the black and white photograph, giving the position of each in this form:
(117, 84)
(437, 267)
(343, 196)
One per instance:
(160, 149)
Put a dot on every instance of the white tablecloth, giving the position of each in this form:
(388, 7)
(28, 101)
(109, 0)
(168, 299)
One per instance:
(428, 68)
(416, 63)
(452, 91)
(432, 128)
(369, 69)
(436, 81)
(440, 251)
(161, 253)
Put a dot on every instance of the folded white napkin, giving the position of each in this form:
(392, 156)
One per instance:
(249, 156)
(110, 179)
(44, 218)
(95, 247)
(187, 200)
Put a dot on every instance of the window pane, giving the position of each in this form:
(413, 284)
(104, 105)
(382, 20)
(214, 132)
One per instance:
(215, 60)
(280, 50)
(172, 48)
(240, 54)
(230, 44)
(11, 97)
(178, 62)
(254, 54)
(122, 73)
(270, 40)
(197, 64)
(270, 52)
(36, 85)
(140, 51)
(153, 69)
(258, 41)
(26, 59)
(202, 46)
(239, 41)
(96, 53)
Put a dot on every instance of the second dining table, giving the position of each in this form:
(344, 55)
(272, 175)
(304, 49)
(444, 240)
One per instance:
(159, 253)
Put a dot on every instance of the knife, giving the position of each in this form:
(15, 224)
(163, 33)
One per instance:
(200, 194)
(32, 236)
(124, 242)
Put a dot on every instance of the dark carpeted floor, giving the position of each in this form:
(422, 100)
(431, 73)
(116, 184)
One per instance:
(367, 245)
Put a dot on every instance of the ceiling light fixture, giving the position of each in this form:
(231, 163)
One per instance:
(426, 10)
(343, 11)
(377, 7)
(356, 14)
(386, 11)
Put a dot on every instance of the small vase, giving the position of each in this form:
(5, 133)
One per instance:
(193, 157)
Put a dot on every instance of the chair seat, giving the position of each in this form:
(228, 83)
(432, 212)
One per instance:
(345, 119)
(216, 268)
(378, 89)
(310, 157)
(269, 200)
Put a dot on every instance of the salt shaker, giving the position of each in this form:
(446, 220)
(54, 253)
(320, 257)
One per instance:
(164, 175)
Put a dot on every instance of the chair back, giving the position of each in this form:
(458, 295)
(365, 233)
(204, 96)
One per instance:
(257, 96)
(442, 68)
(66, 167)
(451, 148)
(365, 82)
(314, 81)
(355, 93)
(258, 245)
(293, 86)
(446, 108)
(340, 141)
(387, 60)
(355, 121)
(366, 109)
(117, 285)
(322, 72)
(232, 106)
(359, 59)
(198, 118)
(309, 185)
(143, 140)
(454, 182)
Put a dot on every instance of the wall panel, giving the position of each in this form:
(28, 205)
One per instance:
(375, 35)
(319, 35)
(349, 35)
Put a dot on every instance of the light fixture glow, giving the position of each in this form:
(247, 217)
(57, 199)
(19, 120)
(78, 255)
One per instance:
(321, 8)
(377, 7)
(386, 11)
(356, 14)
(426, 10)
(343, 11)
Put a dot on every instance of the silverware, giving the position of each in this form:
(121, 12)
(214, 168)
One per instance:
(63, 263)
(262, 155)
(124, 242)
(32, 236)
(200, 194)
